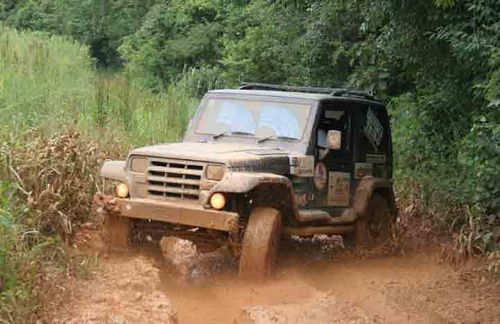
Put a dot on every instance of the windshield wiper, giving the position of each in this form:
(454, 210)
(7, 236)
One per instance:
(216, 136)
(276, 137)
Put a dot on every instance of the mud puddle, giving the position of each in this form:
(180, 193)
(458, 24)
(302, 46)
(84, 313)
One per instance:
(315, 283)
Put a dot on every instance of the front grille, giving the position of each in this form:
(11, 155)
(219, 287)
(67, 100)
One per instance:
(174, 179)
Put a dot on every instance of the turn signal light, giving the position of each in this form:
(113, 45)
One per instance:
(215, 172)
(138, 164)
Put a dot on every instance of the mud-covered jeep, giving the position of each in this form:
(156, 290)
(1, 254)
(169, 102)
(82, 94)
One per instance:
(256, 164)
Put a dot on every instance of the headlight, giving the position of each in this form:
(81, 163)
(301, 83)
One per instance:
(218, 201)
(215, 172)
(121, 190)
(138, 164)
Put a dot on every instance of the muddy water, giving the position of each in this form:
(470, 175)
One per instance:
(359, 291)
(312, 285)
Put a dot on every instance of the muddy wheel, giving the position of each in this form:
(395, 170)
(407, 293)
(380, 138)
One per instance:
(260, 243)
(117, 233)
(376, 226)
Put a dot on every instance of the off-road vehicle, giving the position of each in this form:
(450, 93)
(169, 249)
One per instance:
(256, 164)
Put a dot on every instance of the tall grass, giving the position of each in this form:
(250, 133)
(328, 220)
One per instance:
(122, 110)
(60, 118)
(50, 82)
(44, 81)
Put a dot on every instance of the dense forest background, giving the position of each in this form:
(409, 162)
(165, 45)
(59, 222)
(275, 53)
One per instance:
(129, 72)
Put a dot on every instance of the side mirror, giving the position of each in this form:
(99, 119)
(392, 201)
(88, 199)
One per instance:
(334, 139)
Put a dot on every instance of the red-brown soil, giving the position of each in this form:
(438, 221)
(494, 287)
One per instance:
(310, 286)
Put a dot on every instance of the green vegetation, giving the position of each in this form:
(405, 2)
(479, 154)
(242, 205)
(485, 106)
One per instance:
(127, 72)
(61, 119)
(49, 82)
(16, 288)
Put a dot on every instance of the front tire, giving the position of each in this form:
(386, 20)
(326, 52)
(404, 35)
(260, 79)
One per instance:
(260, 243)
(376, 226)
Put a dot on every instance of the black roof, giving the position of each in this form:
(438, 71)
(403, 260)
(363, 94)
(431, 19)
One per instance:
(336, 92)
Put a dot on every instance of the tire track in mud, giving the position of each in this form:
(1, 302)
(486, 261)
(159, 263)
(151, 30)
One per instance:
(309, 287)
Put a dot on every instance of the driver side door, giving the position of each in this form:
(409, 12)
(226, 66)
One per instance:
(333, 168)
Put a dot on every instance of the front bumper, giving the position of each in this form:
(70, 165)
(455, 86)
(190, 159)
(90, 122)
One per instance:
(170, 212)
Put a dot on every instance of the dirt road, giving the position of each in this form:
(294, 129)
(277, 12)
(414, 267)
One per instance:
(309, 287)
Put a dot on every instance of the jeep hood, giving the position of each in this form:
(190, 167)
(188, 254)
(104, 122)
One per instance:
(234, 155)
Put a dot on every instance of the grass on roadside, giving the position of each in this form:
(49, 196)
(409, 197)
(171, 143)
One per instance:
(49, 82)
(61, 119)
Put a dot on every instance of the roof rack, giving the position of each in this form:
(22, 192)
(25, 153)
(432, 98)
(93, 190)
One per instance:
(337, 92)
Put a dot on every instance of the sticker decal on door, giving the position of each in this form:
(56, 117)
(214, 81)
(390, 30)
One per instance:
(373, 129)
(339, 186)
(320, 176)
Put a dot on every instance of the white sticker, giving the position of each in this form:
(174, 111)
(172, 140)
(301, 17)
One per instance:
(339, 186)
(302, 165)
(362, 170)
(320, 176)
(375, 158)
(373, 129)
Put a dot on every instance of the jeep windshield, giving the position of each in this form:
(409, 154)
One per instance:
(259, 118)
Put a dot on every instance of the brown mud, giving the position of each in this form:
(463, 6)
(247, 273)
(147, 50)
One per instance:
(314, 283)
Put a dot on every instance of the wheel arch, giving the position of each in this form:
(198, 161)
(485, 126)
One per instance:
(369, 186)
(260, 190)
(275, 195)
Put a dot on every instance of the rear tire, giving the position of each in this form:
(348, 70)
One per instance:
(117, 233)
(375, 228)
(260, 243)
